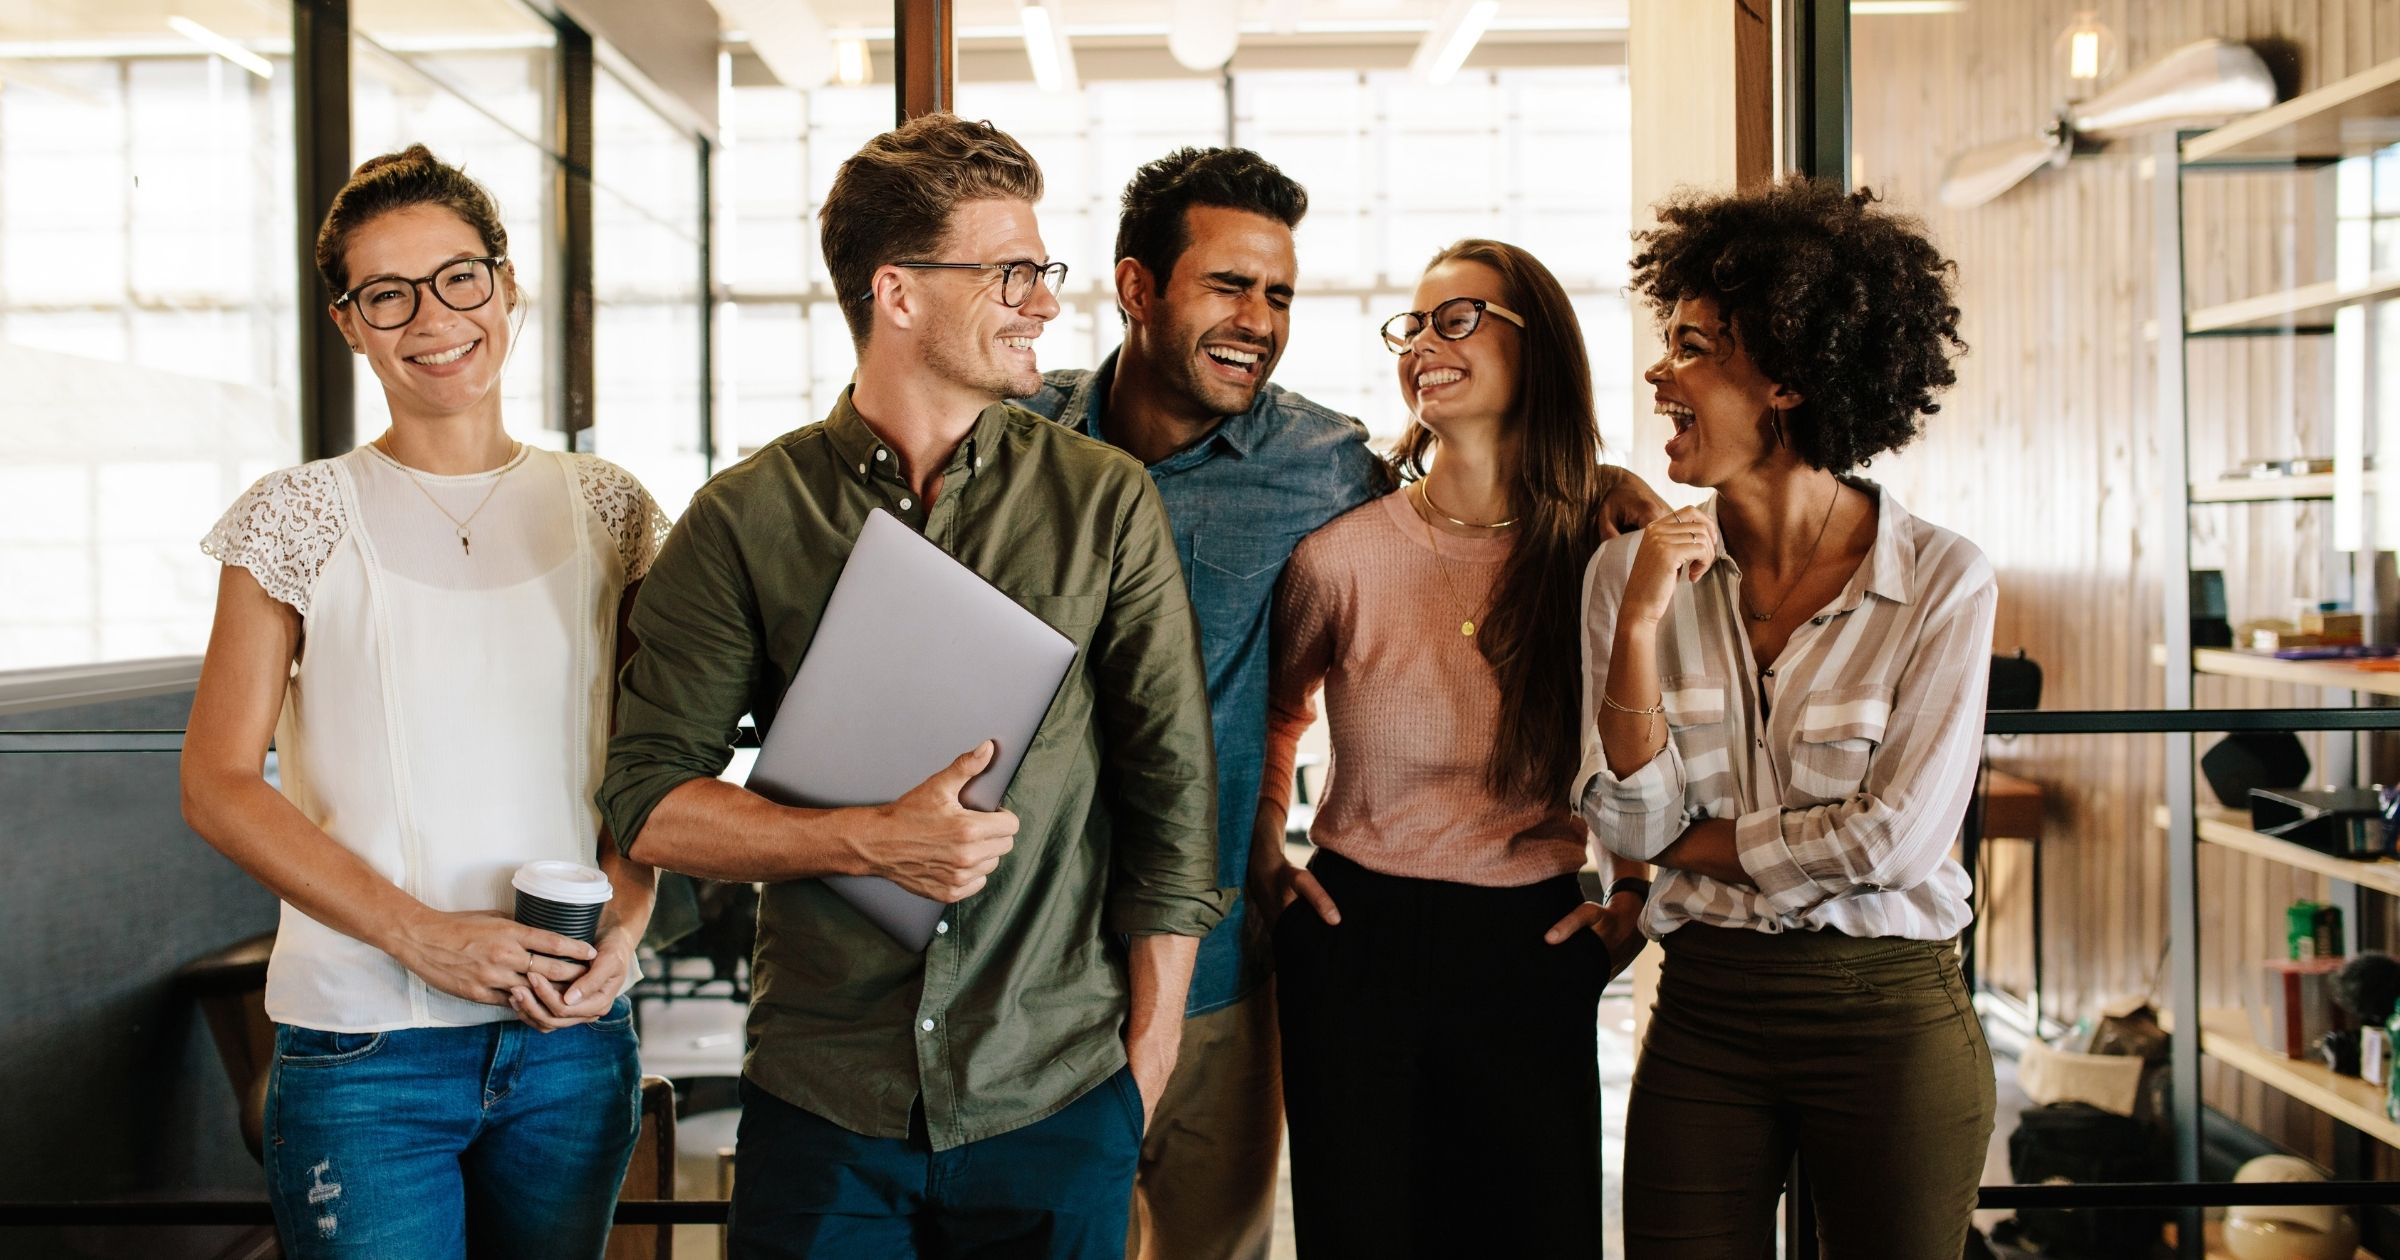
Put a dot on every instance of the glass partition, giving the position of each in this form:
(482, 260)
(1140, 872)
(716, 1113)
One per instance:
(473, 83)
(146, 299)
(649, 293)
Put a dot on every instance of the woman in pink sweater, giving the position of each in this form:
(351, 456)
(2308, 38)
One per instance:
(1436, 993)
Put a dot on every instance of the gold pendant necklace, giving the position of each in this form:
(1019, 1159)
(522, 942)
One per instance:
(466, 535)
(1466, 624)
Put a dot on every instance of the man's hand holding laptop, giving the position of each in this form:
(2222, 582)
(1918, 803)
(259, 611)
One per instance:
(931, 845)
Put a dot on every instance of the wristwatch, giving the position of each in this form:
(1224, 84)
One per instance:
(1627, 883)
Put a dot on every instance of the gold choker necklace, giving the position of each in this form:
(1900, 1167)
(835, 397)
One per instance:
(1425, 492)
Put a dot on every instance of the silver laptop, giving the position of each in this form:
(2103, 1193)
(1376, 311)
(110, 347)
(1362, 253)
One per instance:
(916, 660)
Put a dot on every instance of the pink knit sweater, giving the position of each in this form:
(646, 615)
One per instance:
(1364, 610)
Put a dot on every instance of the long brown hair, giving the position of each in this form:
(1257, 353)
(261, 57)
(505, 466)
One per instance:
(1531, 635)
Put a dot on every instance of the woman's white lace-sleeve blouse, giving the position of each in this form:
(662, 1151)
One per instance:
(448, 712)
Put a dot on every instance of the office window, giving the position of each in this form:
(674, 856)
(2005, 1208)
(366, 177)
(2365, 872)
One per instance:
(648, 293)
(146, 302)
(1396, 170)
(472, 83)
(782, 350)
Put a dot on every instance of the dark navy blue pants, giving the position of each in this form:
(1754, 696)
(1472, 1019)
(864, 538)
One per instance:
(1057, 1189)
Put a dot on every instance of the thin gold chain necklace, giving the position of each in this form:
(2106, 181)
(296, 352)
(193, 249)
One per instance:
(466, 535)
(1769, 615)
(1466, 622)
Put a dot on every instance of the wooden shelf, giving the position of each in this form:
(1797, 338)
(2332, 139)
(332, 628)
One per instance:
(2230, 828)
(2356, 115)
(2225, 1037)
(2231, 664)
(2310, 305)
(2263, 489)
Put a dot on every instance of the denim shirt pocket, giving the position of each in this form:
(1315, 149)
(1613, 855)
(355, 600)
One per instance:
(1233, 581)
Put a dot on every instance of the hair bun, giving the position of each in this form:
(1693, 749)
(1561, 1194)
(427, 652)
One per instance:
(412, 155)
(397, 181)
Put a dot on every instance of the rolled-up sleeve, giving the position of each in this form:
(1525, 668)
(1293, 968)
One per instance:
(1894, 832)
(1639, 815)
(1158, 765)
(681, 697)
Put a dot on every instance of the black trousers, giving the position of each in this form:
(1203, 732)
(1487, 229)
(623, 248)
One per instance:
(1440, 1069)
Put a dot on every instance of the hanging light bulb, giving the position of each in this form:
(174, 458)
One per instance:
(2088, 49)
(1201, 34)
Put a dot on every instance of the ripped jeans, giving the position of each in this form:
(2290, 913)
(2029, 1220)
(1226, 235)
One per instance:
(438, 1143)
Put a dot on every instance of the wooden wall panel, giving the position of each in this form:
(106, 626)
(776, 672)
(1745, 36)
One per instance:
(2047, 453)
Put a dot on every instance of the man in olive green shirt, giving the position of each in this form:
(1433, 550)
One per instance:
(995, 1086)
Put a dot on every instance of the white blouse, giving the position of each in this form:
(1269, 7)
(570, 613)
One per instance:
(448, 714)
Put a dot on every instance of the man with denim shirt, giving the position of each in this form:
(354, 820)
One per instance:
(1205, 274)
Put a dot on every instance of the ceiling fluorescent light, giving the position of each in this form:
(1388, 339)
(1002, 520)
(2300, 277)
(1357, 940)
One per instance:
(1046, 46)
(221, 46)
(1453, 36)
(1905, 8)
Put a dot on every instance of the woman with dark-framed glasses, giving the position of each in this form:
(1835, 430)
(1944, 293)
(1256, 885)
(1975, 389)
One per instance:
(1437, 990)
(426, 630)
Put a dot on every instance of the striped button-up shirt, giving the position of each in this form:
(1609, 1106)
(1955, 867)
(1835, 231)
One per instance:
(1846, 766)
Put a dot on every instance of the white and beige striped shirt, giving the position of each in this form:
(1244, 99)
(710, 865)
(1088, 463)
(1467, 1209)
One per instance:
(1846, 766)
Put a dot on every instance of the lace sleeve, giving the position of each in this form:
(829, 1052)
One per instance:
(633, 518)
(282, 530)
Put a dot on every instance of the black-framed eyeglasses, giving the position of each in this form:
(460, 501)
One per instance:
(1016, 278)
(388, 302)
(1454, 320)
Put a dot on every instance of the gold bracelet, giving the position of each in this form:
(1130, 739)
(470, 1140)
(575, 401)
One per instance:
(1657, 710)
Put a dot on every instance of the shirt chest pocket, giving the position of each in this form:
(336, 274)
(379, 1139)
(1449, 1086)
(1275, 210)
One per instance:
(1693, 701)
(1232, 578)
(1835, 742)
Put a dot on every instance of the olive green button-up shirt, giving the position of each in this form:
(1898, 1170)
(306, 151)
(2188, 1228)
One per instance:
(1019, 1004)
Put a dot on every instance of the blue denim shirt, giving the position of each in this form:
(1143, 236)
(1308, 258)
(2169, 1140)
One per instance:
(1238, 500)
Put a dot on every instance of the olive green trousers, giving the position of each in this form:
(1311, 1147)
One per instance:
(1863, 1057)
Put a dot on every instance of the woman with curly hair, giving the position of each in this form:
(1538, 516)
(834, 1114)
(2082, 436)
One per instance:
(1788, 684)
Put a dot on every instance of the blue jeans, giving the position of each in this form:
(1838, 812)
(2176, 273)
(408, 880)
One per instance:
(805, 1188)
(436, 1143)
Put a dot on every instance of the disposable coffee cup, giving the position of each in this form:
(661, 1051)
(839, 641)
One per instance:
(561, 897)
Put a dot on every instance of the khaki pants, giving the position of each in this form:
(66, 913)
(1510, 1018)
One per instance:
(1205, 1189)
(1864, 1057)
